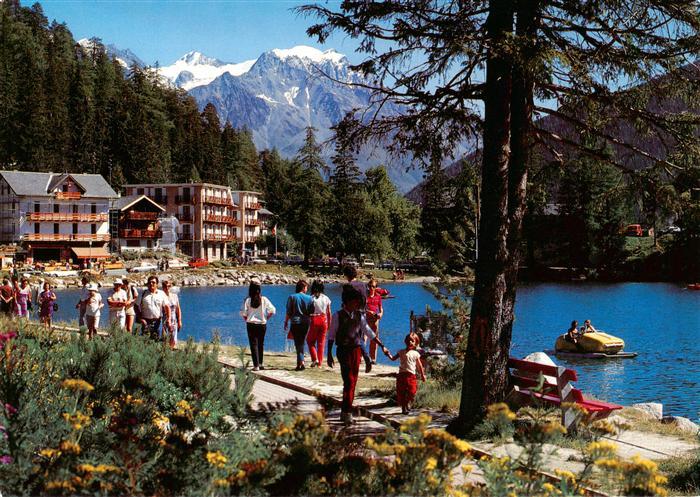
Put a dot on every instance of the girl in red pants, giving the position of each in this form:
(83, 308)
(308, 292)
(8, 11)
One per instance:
(409, 366)
(319, 324)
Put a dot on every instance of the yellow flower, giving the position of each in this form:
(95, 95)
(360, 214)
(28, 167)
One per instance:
(59, 485)
(100, 468)
(462, 446)
(49, 453)
(77, 420)
(160, 421)
(608, 464)
(221, 482)
(568, 476)
(69, 447)
(548, 487)
(500, 409)
(467, 468)
(553, 427)
(217, 459)
(430, 464)
(601, 449)
(604, 426)
(73, 384)
(130, 400)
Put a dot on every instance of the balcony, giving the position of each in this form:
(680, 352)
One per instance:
(184, 236)
(185, 217)
(253, 206)
(65, 237)
(68, 195)
(211, 199)
(252, 222)
(142, 216)
(136, 233)
(218, 237)
(58, 217)
(215, 218)
(181, 199)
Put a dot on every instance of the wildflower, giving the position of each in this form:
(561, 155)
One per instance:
(467, 468)
(607, 464)
(49, 453)
(221, 482)
(69, 447)
(552, 428)
(548, 487)
(77, 385)
(565, 475)
(462, 446)
(161, 422)
(77, 420)
(6, 459)
(10, 410)
(59, 485)
(430, 464)
(500, 409)
(601, 449)
(131, 400)
(603, 426)
(217, 459)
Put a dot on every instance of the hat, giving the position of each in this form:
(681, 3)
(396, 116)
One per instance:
(118, 281)
(92, 287)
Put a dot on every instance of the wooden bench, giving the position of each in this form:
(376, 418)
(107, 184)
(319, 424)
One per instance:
(556, 389)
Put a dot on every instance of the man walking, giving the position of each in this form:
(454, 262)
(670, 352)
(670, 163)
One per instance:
(348, 331)
(153, 309)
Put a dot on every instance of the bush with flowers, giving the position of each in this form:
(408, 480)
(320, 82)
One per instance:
(126, 416)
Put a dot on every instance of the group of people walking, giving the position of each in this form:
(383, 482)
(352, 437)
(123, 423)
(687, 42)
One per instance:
(353, 330)
(156, 310)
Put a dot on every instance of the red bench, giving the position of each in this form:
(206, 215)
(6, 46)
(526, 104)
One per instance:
(556, 389)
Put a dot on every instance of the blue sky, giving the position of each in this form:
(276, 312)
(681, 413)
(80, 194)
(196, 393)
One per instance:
(164, 30)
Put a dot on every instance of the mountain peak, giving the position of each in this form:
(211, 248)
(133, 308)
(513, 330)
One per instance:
(309, 53)
(195, 58)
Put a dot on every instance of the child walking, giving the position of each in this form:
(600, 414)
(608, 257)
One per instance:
(409, 365)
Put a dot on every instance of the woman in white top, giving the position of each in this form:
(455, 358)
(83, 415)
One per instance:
(256, 311)
(175, 312)
(320, 322)
(92, 310)
(117, 303)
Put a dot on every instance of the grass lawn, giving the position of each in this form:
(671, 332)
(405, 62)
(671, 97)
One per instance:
(639, 247)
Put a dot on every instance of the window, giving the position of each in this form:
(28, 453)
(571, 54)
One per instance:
(37, 207)
(185, 194)
(93, 229)
(37, 228)
(65, 187)
(159, 194)
(55, 208)
(139, 191)
(75, 208)
(93, 208)
(75, 228)
(55, 228)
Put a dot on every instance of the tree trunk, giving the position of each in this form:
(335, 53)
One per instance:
(508, 117)
(483, 381)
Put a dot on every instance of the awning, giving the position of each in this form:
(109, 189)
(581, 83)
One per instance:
(91, 252)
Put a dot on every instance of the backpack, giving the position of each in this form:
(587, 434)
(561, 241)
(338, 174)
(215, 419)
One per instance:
(349, 332)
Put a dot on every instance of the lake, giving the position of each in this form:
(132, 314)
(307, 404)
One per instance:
(660, 321)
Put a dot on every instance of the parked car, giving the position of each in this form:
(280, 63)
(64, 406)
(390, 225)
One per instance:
(316, 261)
(274, 260)
(669, 229)
(294, 260)
(198, 262)
(257, 260)
(369, 264)
(333, 262)
(386, 265)
(634, 230)
(350, 261)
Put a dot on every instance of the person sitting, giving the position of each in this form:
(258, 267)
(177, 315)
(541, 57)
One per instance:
(588, 327)
(572, 335)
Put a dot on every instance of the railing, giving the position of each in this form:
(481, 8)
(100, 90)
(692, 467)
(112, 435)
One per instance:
(215, 218)
(252, 222)
(142, 216)
(181, 199)
(211, 199)
(218, 237)
(68, 195)
(136, 233)
(254, 206)
(65, 237)
(65, 217)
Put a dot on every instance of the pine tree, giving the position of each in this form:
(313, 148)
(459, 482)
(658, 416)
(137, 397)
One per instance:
(309, 155)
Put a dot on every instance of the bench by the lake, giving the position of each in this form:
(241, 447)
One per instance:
(556, 389)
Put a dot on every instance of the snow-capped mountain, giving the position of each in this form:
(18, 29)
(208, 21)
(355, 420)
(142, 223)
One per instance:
(279, 94)
(125, 57)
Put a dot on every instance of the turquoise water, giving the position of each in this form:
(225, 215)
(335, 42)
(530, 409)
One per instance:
(660, 321)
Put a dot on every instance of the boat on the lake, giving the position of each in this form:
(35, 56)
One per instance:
(694, 286)
(592, 345)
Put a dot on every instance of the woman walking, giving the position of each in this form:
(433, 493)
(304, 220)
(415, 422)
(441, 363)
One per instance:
(375, 312)
(299, 308)
(117, 302)
(173, 302)
(320, 321)
(22, 296)
(46, 303)
(255, 312)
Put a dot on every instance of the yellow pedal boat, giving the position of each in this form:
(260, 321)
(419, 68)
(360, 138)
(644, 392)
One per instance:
(594, 342)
